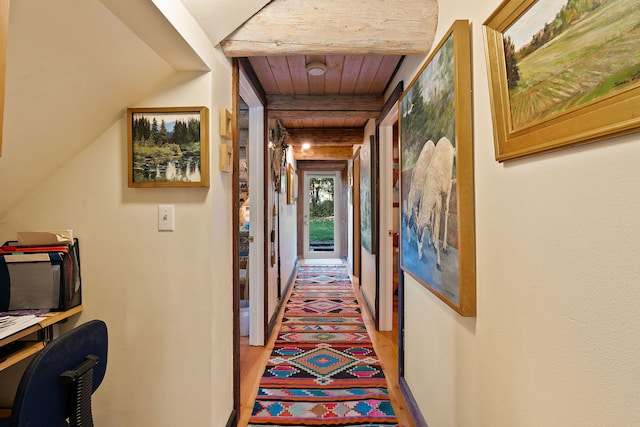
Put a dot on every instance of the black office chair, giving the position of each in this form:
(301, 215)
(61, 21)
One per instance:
(60, 379)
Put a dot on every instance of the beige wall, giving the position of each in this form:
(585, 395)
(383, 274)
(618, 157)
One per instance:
(367, 259)
(555, 342)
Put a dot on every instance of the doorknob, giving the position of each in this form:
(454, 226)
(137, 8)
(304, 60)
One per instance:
(391, 233)
(250, 239)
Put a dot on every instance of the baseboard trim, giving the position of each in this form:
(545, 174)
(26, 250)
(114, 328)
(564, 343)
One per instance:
(372, 312)
(292, 275)
(232, 422)
(274, 317)
(414, 410)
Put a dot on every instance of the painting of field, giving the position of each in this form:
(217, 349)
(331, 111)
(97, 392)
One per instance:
(582, 51)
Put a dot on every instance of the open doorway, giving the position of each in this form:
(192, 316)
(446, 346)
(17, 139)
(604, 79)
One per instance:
(244, 216)
(321, 170)
(249, 209)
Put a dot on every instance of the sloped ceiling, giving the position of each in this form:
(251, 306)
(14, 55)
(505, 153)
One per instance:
(219, 18)
(73, 68)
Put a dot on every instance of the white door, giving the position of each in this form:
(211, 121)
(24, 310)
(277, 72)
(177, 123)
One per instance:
(386, 226)
(321, 215)
(255, 146)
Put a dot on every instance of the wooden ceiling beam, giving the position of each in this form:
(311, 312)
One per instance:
(369, 27)
(325, 152)
(326, 136)
(298, 107)
(329, 102)
(299, 115)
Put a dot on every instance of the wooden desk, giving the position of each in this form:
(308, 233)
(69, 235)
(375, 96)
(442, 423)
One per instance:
(45, 334)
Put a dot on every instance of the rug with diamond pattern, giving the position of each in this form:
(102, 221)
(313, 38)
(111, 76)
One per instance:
(323, 369)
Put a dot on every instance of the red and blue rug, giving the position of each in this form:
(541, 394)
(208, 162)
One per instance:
(323, 369)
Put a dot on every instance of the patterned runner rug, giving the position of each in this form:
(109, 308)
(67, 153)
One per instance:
(323, 369)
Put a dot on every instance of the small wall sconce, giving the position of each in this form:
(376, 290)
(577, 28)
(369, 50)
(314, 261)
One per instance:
(226, 124)
(226, 157)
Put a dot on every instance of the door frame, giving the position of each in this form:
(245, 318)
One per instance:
(245, 81)
(384, 126)
(355, 198)
(385, 224)
(342, 168)
(337, 214)
(257, 233)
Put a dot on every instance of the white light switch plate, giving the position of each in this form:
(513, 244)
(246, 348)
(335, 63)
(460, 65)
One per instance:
(166, 220)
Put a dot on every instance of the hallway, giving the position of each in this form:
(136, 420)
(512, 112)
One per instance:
(254, 359)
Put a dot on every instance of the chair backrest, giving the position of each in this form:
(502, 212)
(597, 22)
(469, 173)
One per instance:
(42, 399)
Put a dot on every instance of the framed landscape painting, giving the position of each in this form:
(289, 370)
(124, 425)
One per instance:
(168, 147)
(437, 245)
(562, 73)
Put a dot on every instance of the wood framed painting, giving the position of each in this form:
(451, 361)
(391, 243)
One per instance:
(437, 232)
(368, 195)
(562, 73)
(226, 124)
(168, 147)
(292, 189)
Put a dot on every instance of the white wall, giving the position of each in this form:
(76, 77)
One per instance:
(288, 242)
(166, 296)
(555, 342)
(288, 232)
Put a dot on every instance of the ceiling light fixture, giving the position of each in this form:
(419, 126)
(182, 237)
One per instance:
(306, 146)
(316, 68)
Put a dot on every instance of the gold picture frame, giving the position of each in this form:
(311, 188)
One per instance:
(543, 64)
(168, 147)
(437, 228)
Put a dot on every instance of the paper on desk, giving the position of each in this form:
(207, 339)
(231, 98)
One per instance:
(12, 324)
(45, 237)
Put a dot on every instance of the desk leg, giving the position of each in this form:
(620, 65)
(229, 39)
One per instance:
(45, 334)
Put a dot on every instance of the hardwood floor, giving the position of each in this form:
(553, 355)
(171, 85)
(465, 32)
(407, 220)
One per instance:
(253, 361)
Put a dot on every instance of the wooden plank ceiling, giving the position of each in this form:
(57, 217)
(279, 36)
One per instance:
(360, 45)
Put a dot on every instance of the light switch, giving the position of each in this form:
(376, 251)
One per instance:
(166, 221)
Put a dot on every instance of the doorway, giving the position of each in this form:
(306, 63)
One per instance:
(321, 218)
(249, 234)
(251, 125)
